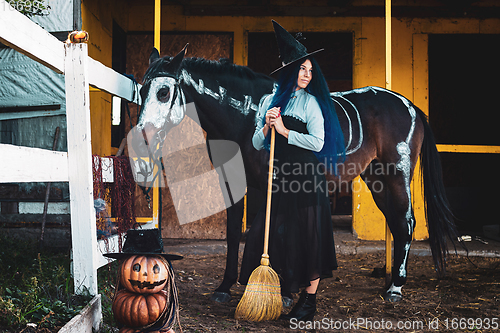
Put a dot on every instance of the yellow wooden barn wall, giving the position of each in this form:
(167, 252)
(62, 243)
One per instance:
(97, 20)
(409, 68)
(409, 78)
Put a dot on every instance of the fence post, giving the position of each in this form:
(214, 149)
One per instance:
(83, 225)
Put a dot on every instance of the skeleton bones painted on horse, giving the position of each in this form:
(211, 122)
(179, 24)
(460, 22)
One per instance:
(381, 129)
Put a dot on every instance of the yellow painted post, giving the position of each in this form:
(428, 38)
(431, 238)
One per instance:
(156, 204)
(388, 49)
(388, 77)
(468, 149)
(157, 24)
(156, 184)
(156, 197)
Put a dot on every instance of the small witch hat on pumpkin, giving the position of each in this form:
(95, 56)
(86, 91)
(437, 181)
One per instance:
(291, 50)
(143, 242)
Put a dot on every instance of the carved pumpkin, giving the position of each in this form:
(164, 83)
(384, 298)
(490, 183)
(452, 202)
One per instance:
(144, 274)
(138, 310)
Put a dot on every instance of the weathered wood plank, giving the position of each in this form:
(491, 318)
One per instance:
(20, 33)
(88, 320)
(30, 114)
(83, 226)
(105, 78)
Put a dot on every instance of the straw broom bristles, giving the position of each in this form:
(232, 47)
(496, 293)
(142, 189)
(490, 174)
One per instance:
(262, 297)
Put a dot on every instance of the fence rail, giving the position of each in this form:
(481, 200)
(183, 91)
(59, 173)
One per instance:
(38, 165)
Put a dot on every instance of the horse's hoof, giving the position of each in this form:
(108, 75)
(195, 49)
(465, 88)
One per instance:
(393, 296)
(287, 301)
(220, 297)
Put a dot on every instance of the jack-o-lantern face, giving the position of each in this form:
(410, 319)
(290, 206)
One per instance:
(144, 274)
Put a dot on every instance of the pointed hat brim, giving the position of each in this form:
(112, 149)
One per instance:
(295, 61)
(291, 50)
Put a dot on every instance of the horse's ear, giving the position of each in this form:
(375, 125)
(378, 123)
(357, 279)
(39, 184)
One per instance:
(175, 64)
(155, 55)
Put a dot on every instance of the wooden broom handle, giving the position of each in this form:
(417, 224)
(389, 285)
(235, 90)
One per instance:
(265, 255)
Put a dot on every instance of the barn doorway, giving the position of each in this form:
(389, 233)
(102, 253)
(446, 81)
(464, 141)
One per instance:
(336, 64)
(463, 107)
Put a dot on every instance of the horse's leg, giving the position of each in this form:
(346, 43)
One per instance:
(402, 225)
(392, 195)
(233, 236)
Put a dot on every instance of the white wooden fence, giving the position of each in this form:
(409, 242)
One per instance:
(23, 164)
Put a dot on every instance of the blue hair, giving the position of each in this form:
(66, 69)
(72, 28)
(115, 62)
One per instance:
(333, 150)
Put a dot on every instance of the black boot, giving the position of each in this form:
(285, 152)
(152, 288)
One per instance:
(305, 308)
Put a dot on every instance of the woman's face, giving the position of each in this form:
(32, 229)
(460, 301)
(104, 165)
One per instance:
(305, 75)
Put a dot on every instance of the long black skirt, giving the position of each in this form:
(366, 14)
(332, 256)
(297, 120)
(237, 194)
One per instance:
(301, 245)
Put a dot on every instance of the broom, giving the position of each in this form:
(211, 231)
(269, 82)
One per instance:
(262, 297)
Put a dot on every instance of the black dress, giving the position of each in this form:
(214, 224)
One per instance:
(301, 246)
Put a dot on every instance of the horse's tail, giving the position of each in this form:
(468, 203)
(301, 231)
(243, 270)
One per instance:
(440, 219)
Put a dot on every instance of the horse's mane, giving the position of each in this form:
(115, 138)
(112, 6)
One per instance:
(223, 66)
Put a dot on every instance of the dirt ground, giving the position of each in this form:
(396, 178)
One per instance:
(468, 299)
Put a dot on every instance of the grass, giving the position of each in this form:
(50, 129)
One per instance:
(107, 276)
(36, 287)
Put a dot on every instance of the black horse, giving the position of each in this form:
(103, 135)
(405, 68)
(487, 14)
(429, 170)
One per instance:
(384, 134)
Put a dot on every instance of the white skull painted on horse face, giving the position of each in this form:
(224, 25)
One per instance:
(163, 102)
(163, 107)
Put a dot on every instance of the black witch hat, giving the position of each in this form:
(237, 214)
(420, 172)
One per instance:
(143, 242)
(291, 50)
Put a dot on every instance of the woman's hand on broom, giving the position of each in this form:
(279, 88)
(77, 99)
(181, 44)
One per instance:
(271, 114)
(276, 121)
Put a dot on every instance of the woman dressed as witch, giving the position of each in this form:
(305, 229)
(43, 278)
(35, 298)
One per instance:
(301, 246)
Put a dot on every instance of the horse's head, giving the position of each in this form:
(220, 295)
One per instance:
(163, 106)
(163, 102)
